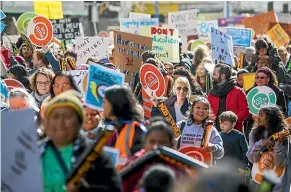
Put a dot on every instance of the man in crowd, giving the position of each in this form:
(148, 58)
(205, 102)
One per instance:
(225, 96)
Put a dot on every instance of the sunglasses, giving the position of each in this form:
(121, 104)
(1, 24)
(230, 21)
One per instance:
(261, 77)
(185, 89)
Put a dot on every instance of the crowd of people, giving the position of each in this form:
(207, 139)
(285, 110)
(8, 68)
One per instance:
(208, 106)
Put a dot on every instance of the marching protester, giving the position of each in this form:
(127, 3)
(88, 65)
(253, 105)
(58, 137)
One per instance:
(201, 52)
(250, 51)
(25, 52)
(239, 77)
(225, 96)
(203, 76)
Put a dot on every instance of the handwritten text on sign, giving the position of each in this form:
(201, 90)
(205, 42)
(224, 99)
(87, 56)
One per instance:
(184, 21)
(165, 42)
(133, 25)
(222, 48)
(240, 37)
(91, 47)
(66, 28)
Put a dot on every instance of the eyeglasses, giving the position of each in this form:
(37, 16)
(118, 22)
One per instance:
(185, 89)
(40, 83)
(261, 77)
(64, 85)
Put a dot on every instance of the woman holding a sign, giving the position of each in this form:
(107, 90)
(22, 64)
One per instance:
(267, 153)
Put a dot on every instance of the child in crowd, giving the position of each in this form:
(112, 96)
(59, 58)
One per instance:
(234, 142)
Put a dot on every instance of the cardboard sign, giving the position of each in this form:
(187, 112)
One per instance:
(285, 26)
(79, 76)
(240, 37)
(248, 80)
(20, 169)
(278, 36)
(40, 31)
(133, 15)
(99, 78)
(204, 29)
(261, 22)
(165, 42)
(133, 25)
(49, 9)
(66, 28)
(266, 163)
(184, 21)
(127, 52)
(222, 47)
(113, 154)
(13, 83)
(91, 47)
(260, 96)
(198, 153)
(152, 80)
(23, 20)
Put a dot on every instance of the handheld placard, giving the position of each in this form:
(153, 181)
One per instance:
(89, 157)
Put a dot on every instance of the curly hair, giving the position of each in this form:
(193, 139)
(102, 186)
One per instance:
(273, 78)
(275, 119)
(43, 71)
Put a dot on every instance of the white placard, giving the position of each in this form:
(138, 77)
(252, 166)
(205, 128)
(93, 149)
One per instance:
(78, 76)
(133, 25)
(133, 15)
(184, 21)
(91, 47)
(204, 29)
(20, 162)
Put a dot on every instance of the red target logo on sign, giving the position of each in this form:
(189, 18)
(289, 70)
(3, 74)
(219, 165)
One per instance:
(12, 83)
(40, 31)
(152, 80)
(198, 153)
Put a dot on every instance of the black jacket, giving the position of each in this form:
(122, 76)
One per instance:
(102, 176)
(170, 103)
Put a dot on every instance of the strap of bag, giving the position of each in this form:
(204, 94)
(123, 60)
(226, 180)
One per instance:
(59, 159)
(182, 129)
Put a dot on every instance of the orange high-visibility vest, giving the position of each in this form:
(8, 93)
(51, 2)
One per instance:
(147, 104)
(124, 143)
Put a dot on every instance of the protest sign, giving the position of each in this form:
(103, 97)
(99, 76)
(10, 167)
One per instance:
(221, 46)
(152, 80)
(165, 42)
(198, 153)
(196, 43)
(240, 37)
(204, 29)
(66, 28)
(133, 25)
(49, 9)
(261, 22)
(13, 83)
(278, 36)
(248, 80)
(127, 52)
(78, 76)
(40, 31)
(260, 96)
(20, 169)
(184, 21)
(23, 21)
(99, 78)
(285, 26)
(113, 154)
(91, 47)
(133, 15)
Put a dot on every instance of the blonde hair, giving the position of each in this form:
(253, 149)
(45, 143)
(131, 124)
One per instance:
(283, 49)
(182, 80)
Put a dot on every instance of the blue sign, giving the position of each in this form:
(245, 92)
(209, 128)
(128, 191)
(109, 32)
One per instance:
(99, 78)
(2, 25)
(221, 46)
(240, 37)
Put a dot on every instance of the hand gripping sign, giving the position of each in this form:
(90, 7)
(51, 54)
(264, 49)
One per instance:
(152, 80)
(40, 31)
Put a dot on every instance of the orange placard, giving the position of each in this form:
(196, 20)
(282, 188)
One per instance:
(248, 80)
(152, 80)
(12, 83)
(278, 36)
(198, 153)
(285, 26)
(261, 22)
(40, 31)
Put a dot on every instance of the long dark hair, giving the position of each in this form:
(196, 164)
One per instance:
(64, 74)
(123, 103)
(275, 119)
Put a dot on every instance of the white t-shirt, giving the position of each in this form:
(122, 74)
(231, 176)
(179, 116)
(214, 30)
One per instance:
(192, 136)
(179, 114)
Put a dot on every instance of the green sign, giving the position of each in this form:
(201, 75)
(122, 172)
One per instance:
(23, 20)
(260, 96)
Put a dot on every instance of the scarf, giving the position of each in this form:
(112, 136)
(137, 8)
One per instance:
(39, 98)
(223, 89)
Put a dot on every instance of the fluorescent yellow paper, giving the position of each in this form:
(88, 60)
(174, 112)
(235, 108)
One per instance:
(278, 36)
(165, 42)
(49, 9)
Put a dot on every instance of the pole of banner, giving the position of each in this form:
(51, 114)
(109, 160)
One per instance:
(157, 14)
(95, 16)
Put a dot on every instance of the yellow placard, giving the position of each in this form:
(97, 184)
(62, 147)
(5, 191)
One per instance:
(248, 80)
(150, 8)
(49, 9)
(165, 42)
(278, 36)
